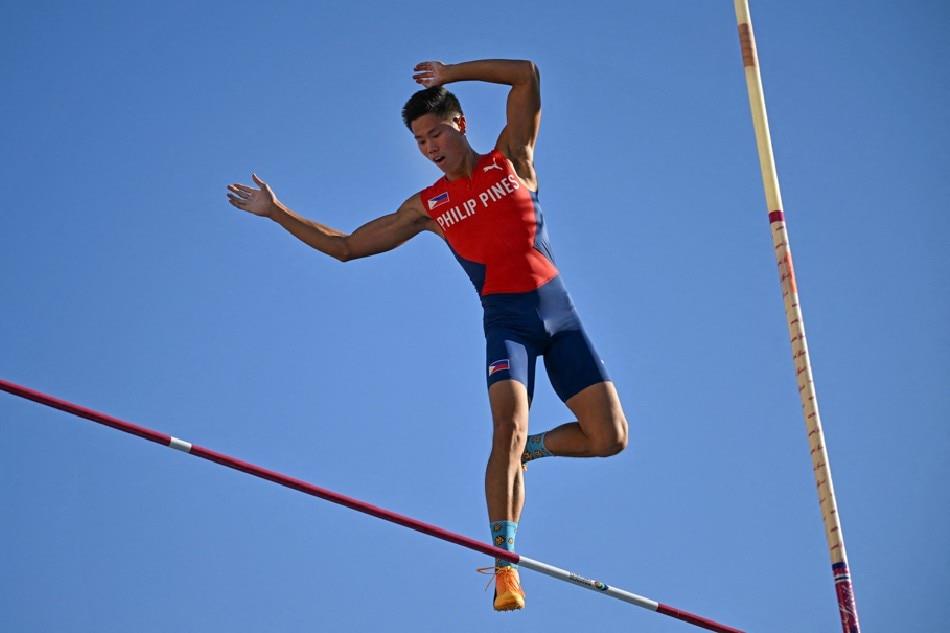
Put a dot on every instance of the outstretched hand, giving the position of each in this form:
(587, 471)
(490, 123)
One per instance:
(428, 74)
(260, 202)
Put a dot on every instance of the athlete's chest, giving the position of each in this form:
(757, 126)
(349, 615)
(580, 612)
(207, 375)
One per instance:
(493, 201)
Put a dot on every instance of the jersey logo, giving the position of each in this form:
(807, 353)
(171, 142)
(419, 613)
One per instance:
(497, 366)
(439, 200)
(491, 167)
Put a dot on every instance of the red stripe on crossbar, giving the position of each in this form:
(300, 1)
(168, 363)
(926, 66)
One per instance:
(701, 622)
(263, 473)
(328, 495)
(83, 412)
(776, 216)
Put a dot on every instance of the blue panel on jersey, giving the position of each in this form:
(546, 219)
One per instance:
(542, 243)
(474, 270)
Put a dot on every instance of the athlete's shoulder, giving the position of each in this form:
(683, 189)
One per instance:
(413, 212)
(413, 205)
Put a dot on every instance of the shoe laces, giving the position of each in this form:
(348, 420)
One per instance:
(497, 573)
(487, 570)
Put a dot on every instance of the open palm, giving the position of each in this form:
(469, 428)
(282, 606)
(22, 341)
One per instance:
(260, 202)
(428, 74)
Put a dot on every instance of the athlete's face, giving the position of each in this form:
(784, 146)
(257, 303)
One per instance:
(442, 141)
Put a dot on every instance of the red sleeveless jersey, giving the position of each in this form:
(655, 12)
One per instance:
(494, 227)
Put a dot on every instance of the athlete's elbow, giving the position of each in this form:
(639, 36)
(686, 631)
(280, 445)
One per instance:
(348, 256)
(344, 252)
(341, 256)
(532, 72)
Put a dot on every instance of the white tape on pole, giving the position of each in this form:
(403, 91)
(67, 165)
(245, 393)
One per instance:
(179, 445)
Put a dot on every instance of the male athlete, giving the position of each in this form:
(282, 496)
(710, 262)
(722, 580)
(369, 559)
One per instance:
(486, 209)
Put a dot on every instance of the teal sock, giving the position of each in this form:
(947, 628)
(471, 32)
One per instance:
(535, 448)
(503, 536)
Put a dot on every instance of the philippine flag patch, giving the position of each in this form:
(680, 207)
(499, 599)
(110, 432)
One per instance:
(439, 200)
(497, 366)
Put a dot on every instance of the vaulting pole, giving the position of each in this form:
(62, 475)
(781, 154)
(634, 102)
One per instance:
(796, 325)
(361, 506)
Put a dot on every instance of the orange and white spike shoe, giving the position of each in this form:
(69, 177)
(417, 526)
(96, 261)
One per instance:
(509, 596)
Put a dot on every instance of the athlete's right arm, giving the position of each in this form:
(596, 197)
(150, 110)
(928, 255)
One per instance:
(382, 234)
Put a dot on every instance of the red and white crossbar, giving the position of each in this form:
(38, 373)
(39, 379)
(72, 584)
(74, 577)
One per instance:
(360, 506)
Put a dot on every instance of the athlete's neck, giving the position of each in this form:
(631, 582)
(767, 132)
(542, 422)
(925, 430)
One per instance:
(466, 167)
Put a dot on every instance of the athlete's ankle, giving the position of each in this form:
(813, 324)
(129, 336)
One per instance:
(535, 448)
(503, 535)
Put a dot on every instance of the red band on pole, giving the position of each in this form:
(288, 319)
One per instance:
(747, 45)
(776, 216)
(849, 612)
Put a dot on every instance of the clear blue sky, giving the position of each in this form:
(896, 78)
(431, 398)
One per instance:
(129, 285)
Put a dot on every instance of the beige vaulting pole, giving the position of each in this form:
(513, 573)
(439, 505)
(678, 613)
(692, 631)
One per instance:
(796, 325)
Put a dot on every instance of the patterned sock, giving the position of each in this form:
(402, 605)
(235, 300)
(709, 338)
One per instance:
(535, 448)
(503, 536)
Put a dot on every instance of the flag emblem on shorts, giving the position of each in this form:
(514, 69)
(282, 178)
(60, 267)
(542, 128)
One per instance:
(497, 366)
(440, 199)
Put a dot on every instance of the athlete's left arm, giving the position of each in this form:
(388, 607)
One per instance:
(517, 140)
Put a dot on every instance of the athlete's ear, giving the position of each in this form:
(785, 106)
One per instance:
(461, 123)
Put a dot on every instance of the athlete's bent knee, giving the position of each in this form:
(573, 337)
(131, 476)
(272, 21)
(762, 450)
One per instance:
(614, 441)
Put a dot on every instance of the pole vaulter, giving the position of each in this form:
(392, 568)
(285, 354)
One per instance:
(796, 325)
(361, 506)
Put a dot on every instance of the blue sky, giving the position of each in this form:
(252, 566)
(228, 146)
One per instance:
(129, 285)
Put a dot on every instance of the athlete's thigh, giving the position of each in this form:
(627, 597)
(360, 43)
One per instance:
(510, 358)
(509, 404)
(599, 412)
(580, 379)
(572, 363)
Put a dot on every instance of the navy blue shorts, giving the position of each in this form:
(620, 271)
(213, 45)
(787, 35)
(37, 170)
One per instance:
(519, 327)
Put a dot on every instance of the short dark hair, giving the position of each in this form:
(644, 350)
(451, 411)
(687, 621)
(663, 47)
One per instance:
(436, 100)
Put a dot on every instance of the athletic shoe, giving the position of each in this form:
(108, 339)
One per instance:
(509, 596)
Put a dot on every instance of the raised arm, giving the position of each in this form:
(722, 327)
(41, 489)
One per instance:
(518, 138)
(382, 234)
